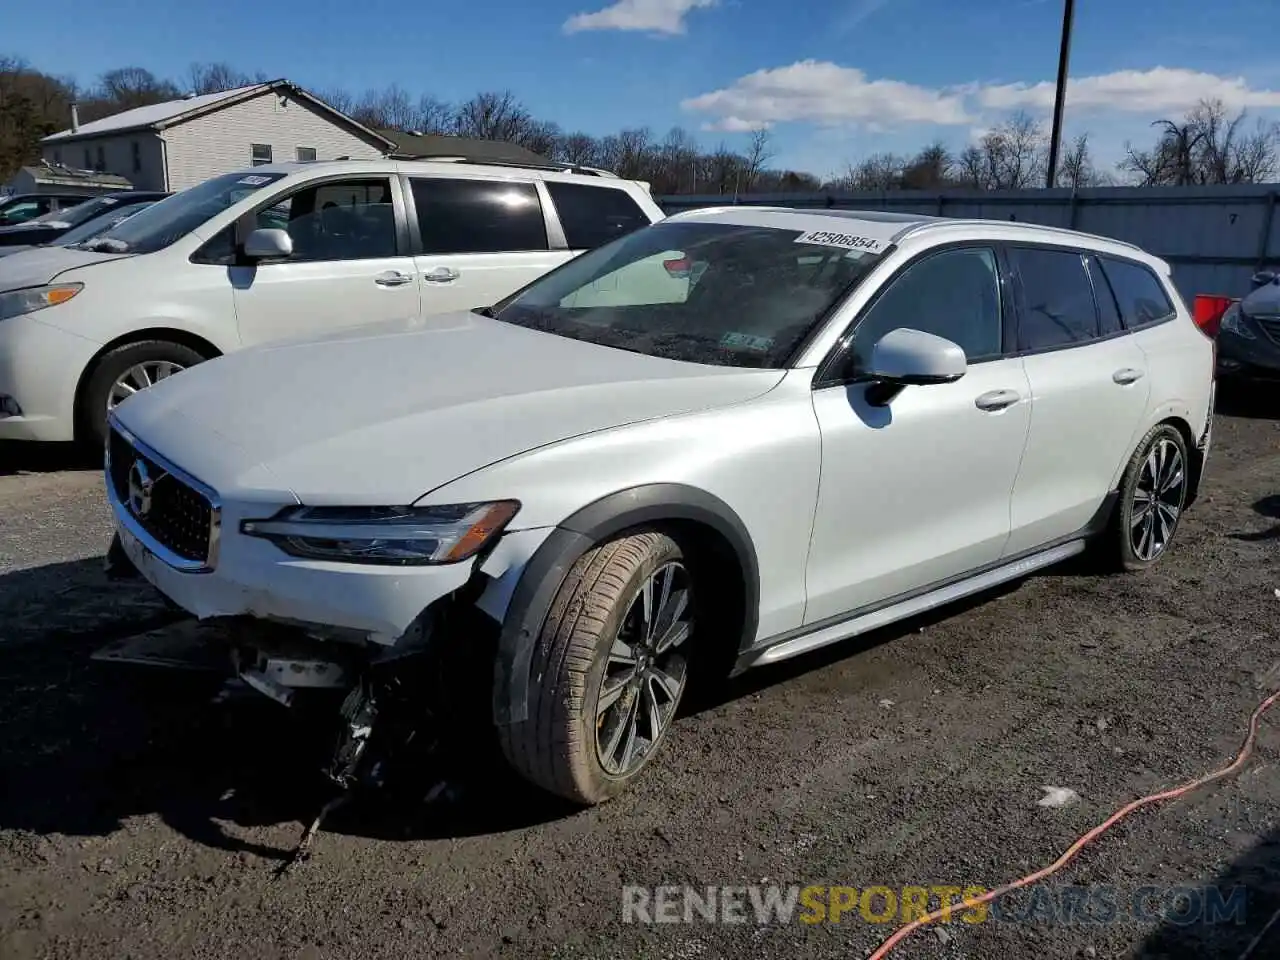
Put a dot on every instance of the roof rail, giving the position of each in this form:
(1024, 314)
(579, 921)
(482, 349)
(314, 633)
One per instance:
(549, 165)
(935, 222)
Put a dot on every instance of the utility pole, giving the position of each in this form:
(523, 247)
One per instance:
(1060, 96)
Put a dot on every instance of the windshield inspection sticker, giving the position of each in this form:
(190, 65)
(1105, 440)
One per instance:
(254, 181)
(745, 341)
(849, 241)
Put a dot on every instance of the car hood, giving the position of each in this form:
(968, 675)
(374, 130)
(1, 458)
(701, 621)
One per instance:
(1263, 302)
(41, 265)
(383, 415)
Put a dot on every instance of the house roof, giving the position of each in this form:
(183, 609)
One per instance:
(55, 175)
(157, 116)
(428, 145)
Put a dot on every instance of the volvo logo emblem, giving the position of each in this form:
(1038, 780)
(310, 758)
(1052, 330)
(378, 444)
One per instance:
(140, 485)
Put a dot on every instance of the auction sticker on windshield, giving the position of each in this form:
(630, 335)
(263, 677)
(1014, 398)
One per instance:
(847, 241)
(254, 181)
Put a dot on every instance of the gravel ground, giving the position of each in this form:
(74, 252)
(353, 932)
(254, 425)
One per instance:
(140, 819)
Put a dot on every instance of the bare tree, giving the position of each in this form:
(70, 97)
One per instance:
(434, 116)
(930, 169)
(880, 171)
(1206, 146)
(205, 78)
(1076, 168)
(493, 116)
(758, 154)
(579, 148)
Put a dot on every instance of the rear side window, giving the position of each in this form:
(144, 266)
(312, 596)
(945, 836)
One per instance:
(1141, 297)
(592, 216)
(478, 216)
(1108, 314)
(1057, 298)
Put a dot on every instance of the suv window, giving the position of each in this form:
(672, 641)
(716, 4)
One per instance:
(1108, 314)
(1141, 296)
(1057, 298)
(24, 210)
(953, 294)
(478, 216)
(592, 216)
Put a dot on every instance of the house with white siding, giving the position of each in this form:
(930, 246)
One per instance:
(177, 144)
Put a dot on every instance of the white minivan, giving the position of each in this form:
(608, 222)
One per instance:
(280, 252)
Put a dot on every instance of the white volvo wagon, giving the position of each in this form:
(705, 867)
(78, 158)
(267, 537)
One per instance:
(728, 438)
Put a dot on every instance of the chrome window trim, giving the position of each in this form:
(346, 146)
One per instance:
(130, 522)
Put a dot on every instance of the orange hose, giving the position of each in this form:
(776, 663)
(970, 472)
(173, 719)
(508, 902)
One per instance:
(1072, 851)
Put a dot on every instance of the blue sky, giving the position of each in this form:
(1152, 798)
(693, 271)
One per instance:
(834, 80)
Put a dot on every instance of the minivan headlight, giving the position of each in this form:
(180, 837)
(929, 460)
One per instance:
(404, 536)
(15, 303)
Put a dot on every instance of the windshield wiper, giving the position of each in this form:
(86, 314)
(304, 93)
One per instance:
(104, 245)
(485, 312)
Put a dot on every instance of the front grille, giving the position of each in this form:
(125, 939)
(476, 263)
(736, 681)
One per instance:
(175, 514)
(1271, 328)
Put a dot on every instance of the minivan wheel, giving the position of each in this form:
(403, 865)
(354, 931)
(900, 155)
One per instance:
(1153, 493)
(124, 371)
(609, 670)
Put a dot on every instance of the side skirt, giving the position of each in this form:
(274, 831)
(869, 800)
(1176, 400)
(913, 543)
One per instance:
(792, 644)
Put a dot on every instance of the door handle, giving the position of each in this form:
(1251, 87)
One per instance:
(392, 278)
(996, 400)
(441, 275)
(1127, 376)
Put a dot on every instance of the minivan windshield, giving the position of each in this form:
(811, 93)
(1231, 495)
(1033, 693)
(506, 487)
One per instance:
(716, 293)
(174, 217)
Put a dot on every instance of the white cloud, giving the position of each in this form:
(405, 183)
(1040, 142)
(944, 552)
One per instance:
(828, 94)
(855, 13)
(653, 16)
(1155, 91)
(824, 93)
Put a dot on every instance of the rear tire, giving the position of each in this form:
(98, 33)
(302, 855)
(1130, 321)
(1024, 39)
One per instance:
(1153, 494)
(608, 672)
(123, 368)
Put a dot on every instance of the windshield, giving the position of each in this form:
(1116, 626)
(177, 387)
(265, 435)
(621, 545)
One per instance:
(174, 217)
(719, 293)
(101, 224)
(74, 216)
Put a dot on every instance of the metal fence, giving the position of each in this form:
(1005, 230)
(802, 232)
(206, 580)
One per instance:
(1215, 238)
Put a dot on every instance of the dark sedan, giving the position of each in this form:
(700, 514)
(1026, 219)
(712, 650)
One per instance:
(51, 226)
(1249, 335)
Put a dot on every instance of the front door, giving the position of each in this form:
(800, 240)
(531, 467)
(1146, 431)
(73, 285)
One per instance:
(918, 491)
(349, 266)
(480, 240)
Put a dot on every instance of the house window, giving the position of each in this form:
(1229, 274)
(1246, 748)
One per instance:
(88, 159)
(306, 154)
(57, 157)
(260, 153)
(102, 160)
(137, 157)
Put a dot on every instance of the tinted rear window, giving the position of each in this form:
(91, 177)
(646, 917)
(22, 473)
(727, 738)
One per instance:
(1140, 295)
(478, 216)
(1058, 307)
(592, 216)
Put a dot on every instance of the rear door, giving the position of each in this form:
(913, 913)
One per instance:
(1089, 386)
(478, 239)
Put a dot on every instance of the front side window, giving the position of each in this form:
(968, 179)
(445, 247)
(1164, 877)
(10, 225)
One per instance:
(478, 216)
(713, 293)
(21, 212)
(259, 154)
(954, 294)
(174, 217)
(342, 220)
(592, 216)
(1141, 296)
(1058, 307)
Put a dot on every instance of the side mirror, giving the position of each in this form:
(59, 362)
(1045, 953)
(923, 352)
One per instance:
(1263, 277)
(268, 244)
(911, 358)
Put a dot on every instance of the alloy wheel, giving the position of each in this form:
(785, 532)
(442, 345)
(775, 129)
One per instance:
(1158, 497)
(646, 671)
(140, 376)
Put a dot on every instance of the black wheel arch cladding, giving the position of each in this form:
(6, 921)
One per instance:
(650, 504)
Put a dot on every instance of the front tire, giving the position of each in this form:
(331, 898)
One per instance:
(123, 371)
(609, 670)
(1153, 493)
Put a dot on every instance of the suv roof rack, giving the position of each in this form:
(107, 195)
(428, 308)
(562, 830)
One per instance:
(549, 165)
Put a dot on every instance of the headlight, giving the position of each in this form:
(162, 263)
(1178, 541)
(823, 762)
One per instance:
(14, 303)
(1231, 323)
(401, 536)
